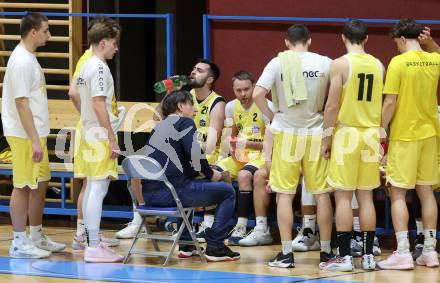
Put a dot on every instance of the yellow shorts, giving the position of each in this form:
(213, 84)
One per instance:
(412, 163)
(233, 166)
(355, 159)
(437, 187)
(95, 161)
(291, 153)
(78, 161)
(26, 172)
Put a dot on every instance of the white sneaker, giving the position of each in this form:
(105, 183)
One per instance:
(47, 244)
(27, 250)
(306, 241)
(257, 237)
(338, 263)
(368, 262)
(238, 233)
(130, 231)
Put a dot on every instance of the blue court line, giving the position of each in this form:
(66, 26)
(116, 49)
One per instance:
(135, 273)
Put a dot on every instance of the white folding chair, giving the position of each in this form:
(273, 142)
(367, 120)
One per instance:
(147, 168)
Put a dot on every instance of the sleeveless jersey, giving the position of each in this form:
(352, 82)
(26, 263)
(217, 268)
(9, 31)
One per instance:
(201, 118)
(361, 98)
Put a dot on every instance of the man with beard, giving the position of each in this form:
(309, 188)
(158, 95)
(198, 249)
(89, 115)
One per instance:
(209, 119)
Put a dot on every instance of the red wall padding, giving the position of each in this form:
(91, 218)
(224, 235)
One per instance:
(250, 45)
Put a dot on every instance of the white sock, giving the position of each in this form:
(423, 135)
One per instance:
(242, 221)
(356, 224)
(19, 238)
(93, 198)
(80, 228)
(261, 223)
(36, 232)
(326, 247)
(419, 225)
(354, 202)
(137, 219)
(287, 247)
(310, 222)
(430, 240)
(402, 242)
(307, 199)
(208, 220)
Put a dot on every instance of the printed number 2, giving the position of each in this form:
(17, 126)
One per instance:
(255, 117)
(370, 78)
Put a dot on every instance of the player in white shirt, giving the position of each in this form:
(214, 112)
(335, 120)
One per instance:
(99, 116)
(25, 119)
(298, 94)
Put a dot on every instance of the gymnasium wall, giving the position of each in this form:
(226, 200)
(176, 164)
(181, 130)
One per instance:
(250, 46)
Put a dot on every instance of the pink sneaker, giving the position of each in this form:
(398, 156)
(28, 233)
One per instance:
(79, 242)
(397, 261)
(102, 253)
(430, 259)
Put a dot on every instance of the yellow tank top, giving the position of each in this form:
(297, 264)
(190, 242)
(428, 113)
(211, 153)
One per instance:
(202, 116)
(87, 54)
(250, 123)
(361, 99)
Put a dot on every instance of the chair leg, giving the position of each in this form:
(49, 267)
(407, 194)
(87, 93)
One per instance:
(190, 228)
(175, 242)
(135, 240)
(155, 244)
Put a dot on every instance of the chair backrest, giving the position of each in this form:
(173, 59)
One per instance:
(145, 168)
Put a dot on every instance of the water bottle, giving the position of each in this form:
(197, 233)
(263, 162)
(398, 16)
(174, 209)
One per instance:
(170, 84)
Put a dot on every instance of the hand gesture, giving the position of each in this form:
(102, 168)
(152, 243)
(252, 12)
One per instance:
(216, 176)
(425, 36)
(326, 147)
(37, 151)
(114, 149)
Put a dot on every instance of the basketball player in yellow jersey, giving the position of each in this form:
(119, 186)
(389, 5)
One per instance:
(411, 103)
(248, 127)
(210, 106)
(209, 118)
(352, 122)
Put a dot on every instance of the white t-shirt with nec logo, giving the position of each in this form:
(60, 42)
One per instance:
(24, 78)
(95, 79)
(307, 114)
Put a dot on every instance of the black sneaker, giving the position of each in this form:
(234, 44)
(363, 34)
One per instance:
(221, 254)
(186, 251)
(420, 239)
(324, 257)
(356, 245)
(282, 260)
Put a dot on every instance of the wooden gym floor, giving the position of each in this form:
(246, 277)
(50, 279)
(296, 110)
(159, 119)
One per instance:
(68, 266)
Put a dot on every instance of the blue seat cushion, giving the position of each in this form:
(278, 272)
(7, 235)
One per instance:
(148, 207)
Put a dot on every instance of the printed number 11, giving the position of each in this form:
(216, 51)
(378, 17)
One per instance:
(370, 78)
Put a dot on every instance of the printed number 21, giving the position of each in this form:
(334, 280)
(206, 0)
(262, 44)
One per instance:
(370, 78)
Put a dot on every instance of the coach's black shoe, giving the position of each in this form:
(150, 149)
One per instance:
(222, 253)
(186, 251)
(324, 257)
(282, 260)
